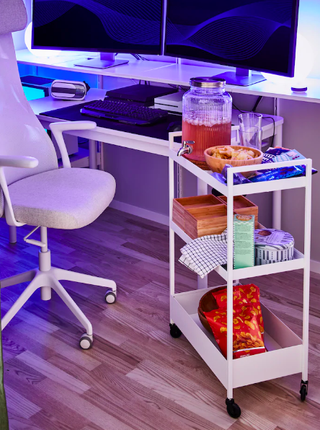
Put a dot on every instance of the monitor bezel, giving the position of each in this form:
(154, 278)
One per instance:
(104, 50)
(227, 63)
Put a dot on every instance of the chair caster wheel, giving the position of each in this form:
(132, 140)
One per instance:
(86, 341)
(110, 297)
(175, 331)
(233, 409)
(303, 390)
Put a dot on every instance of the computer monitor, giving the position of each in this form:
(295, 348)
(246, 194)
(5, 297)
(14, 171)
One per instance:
(104, 26)
(250, 35)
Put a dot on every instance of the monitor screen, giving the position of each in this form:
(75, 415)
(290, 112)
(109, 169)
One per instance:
(118, 26)
(249, 34)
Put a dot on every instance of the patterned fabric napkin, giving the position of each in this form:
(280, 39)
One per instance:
(204, 254)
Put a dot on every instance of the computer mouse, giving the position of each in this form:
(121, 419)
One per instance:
(174, 126)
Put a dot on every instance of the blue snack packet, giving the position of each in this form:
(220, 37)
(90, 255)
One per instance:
(274, 155)
(238, 178)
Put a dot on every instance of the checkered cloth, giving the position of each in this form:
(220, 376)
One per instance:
(204, 254)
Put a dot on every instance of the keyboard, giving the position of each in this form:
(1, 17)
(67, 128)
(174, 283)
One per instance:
(123, 111)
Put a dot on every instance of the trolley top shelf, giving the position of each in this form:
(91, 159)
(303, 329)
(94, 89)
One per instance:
(237, 190)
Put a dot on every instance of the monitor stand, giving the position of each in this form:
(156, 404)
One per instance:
(241, 77)
(105, 61)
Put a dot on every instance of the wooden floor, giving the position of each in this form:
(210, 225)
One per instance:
(136, 376)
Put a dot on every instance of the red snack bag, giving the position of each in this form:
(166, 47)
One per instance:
(247, 338)
(242, 295)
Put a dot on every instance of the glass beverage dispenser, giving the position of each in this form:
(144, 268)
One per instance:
(206, 117)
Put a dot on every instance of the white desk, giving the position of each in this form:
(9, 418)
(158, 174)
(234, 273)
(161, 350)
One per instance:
(169, 73)
(155, 71)
(100, 134)
(145, 143)
(304, 136)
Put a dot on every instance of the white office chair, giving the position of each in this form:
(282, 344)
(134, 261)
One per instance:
(34, 190)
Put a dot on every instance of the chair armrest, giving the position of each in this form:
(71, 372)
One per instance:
(18, 161)
(62, 126)
(58, 128)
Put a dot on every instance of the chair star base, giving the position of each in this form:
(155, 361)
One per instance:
(47, 278)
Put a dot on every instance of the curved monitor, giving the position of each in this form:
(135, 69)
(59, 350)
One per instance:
(248, 34)
(116, 26)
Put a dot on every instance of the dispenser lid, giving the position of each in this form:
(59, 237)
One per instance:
(207, 82)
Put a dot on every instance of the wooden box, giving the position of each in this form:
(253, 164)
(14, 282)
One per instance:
(200, 215)
(242, 205)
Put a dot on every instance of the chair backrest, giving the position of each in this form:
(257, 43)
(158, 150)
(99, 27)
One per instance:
(20, 131)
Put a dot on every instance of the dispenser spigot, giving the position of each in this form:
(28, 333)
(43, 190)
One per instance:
(186, 148)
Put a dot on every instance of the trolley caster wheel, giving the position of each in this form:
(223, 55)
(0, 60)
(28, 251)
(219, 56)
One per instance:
(233, 409)
(175, 331)
(303, 390)
(110, 297)
(86, 341)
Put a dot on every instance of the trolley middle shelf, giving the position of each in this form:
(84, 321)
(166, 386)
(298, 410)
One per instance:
(296, 263)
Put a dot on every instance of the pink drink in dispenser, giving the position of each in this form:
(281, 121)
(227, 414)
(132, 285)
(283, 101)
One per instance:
(206, 117)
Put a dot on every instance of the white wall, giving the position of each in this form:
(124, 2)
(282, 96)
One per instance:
(309, 27)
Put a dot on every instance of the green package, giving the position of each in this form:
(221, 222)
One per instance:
(243, 241)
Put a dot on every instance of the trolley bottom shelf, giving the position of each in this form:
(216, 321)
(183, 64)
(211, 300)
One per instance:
(284, 348)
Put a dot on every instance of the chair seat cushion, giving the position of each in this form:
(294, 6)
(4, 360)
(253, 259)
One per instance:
(67, 198)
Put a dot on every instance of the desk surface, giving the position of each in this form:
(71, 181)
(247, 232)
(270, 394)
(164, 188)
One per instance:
(152, 139)
(169, 73)
(49, 103)
(158, 130)
(108, 131)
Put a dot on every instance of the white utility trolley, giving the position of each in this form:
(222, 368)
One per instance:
(286, 353)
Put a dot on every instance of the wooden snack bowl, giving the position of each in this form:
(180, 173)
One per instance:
(217, 164)
(208, 303)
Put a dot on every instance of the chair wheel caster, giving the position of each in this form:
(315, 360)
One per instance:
(110, 297)
(303, 390)
(233, 409)
(175, 331)
(86, 341)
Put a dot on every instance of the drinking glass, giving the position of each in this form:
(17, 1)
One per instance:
(250, 131)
